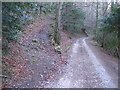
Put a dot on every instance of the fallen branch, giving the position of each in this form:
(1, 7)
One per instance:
(67, 48)
(4, 76)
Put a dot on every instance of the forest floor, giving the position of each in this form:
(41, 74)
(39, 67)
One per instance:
(35, 64)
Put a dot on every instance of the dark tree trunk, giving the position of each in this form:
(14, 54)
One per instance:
(119, 42)
(57, 24)
(96, 20)
(40, 10)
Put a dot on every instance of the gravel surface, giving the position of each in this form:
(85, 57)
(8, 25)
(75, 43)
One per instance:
(86, 69)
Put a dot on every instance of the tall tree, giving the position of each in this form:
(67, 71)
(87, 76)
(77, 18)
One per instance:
(57, 24)
(72, 18)
(104, 15)
(96, 19)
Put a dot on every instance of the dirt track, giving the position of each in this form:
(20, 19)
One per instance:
(88, 67)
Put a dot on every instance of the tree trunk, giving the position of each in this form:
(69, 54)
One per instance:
(119, 42)
(40, 10)
(96, 21)
(105, 7)
(57, 24)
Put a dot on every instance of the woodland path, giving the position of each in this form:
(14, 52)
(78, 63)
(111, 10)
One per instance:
(88, 67)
